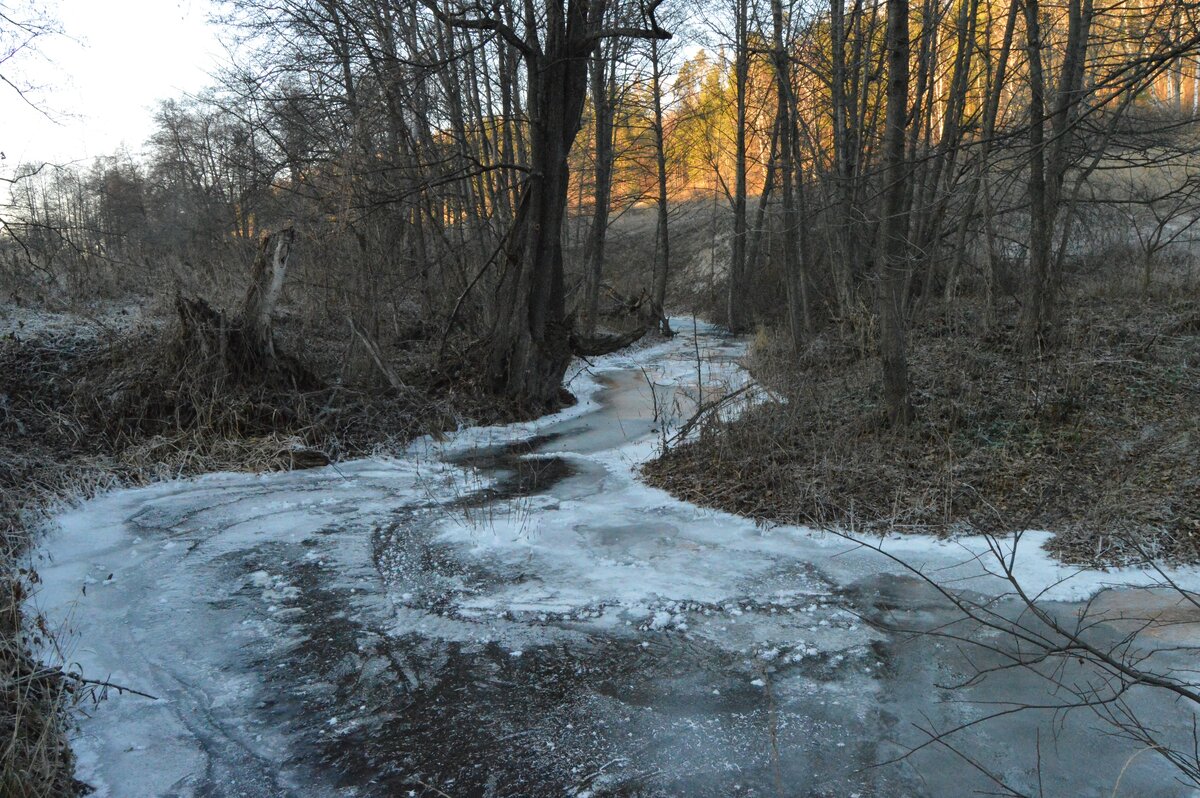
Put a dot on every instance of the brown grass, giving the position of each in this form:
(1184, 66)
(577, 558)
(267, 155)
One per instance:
(1098, 440)
(35, 758)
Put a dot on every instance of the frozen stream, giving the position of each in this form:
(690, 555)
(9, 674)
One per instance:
(511, 613)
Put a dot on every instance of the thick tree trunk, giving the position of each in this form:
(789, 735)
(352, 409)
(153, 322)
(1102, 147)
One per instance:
(531, 348)
(893, 244)
(531, 341)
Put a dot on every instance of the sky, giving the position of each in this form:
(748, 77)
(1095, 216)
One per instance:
(100, 81)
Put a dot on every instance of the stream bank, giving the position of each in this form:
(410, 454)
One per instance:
(512, 612)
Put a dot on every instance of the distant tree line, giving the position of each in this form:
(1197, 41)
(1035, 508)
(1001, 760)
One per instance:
(875, 159)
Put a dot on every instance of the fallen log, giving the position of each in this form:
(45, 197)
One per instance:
(376, 356)
(605, 343)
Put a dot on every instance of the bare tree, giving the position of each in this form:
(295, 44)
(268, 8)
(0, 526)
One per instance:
(893, 244)
(531, 345)
(662, 235)
(24, 27)
(799, 317)
(741, 70)
(603, 80)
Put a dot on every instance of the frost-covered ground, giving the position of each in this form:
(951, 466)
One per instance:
(510, 612)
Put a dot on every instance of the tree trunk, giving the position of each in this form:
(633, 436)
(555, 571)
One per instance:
(262, 295)
(531, 348)
(893, 245)
(1036, 310)
(602, 106)
(797, 293)
(1048, 164)
(979, 184)
(737, 266)
(757, 230)
(843, 271)
(662, 238)
(531, 345)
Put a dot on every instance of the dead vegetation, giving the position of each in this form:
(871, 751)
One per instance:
(88, 406)
(1097, 439)
(147, 402)
(35, 759)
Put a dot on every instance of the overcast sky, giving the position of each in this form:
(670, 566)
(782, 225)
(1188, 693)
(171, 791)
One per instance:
(101, 81)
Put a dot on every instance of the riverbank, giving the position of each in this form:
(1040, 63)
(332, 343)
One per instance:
(87, 405)
(513, 609)
(1097, 439)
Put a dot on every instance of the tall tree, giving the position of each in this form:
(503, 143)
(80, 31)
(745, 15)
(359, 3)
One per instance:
(797, 290)
(662, 234)
(734, 310)
(1048, 162)
(532, 340)
(603, 90)
(893, 243)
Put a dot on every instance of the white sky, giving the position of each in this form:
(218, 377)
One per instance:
(101, 81)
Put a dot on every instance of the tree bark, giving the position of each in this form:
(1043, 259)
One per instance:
(757, 230)
(1048, 164)
(531, 341)
(530, 350)
(797, 291)
(979, 183)
(662, 236)
(602, 107)
(1037, 308)
(843, 271)
(893, 243)
(737, 265)
(262, 295)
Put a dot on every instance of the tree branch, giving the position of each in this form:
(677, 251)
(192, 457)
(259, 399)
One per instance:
(483, 23)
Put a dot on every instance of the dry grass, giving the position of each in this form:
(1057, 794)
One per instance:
(35, 759)
(132, 405)
(1098, 440)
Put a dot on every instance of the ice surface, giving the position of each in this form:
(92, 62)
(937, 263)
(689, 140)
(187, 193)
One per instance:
(509, 611)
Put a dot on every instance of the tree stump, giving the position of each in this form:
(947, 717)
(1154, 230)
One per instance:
(243, 348)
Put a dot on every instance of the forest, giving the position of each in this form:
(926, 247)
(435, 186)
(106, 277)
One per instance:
(953, 243)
